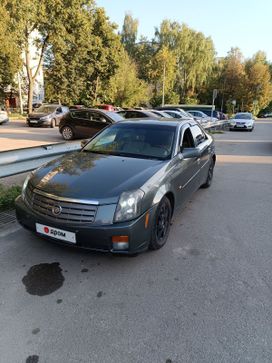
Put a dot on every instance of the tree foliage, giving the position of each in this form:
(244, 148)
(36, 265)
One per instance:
(125, 89)
(10, 59)
(76, 70)
(194, 55)
(129, 33)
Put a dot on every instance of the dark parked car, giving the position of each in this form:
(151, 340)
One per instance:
(120, 191)
(85, 123)
(137, 114)
(47, 115)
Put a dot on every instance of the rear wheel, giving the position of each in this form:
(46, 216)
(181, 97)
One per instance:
(161, 225)
(67, 133)
(208, 181)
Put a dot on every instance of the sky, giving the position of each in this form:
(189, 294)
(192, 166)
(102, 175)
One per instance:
(246, 24)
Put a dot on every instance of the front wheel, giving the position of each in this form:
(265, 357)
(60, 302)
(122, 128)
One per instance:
(208, 181)
(67, 133)
(161, 224)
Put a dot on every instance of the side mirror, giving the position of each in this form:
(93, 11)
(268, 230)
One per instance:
(83, 143)
(103, 119)
(190, 152)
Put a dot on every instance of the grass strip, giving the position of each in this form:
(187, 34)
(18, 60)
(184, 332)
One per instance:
(8, 196)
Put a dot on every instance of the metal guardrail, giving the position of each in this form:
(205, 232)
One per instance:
(23, 160)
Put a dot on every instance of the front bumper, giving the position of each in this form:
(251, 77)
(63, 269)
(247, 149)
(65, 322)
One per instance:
(38, 122)
(97, 238)
(242, 127)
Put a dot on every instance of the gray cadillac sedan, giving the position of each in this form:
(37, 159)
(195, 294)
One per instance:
(120, 191)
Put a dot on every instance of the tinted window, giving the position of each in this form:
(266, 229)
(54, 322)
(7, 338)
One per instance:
(134, 114)
(80, 114)
(198, 135)
(142, 141)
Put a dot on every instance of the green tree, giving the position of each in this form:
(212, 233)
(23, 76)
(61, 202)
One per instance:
(125, 89)
(10, 59)
(233, 78)
(258, 83)
(194, 56)
(75, 41)
(77, 70)
(129, 33)
(162, 75)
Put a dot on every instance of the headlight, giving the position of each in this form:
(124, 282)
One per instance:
(25, 185)
(45, 118)
(129, 206)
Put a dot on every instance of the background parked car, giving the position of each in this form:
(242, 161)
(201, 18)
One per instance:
(242, 121)
(199, 116)
(268, 115)
(137, 114)
(160, 114)
(106, 107)
(179, 115)
(84, 123)
(3, 116)
(47, 115)
(173, 108)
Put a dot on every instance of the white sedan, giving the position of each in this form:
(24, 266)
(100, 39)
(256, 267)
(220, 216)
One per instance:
(242, 121)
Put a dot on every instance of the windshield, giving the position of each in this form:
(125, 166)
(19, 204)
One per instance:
(132, 140)
(243, 116)
(46, 109)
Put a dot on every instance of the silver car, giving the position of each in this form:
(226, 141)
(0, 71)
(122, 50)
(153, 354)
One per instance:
(47, 115)
(242, 121)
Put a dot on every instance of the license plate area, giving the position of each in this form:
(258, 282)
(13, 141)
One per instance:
(57, 233)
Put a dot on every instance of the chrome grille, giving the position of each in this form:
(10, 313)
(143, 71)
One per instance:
(70, 211)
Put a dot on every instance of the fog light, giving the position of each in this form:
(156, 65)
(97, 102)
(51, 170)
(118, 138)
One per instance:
(120, 242)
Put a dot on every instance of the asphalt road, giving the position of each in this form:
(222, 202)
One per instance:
(205, 297)
(17, 135)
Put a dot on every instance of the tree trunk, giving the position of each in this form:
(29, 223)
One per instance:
(30, 95)
(30, 76)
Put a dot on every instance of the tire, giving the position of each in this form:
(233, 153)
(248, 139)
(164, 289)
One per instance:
(53, 123)
(161, 224)
(208, 181)
(67, 133)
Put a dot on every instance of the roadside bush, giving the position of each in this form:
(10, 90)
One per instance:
(7, 196)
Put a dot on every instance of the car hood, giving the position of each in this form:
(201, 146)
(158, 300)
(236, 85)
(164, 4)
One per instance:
(38, 114)
(88, 176)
